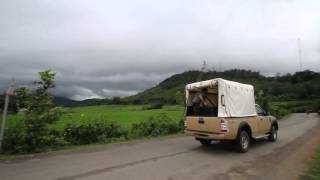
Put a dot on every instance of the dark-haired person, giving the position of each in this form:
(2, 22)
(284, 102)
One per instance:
(199, 101)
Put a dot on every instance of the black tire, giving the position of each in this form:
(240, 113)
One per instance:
(243, 141)
(205, 142)
(273, 136)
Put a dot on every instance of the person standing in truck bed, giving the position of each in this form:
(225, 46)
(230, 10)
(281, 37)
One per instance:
(199, 101)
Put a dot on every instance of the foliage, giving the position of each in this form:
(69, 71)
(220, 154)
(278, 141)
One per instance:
(40, 99)
(22, 97)
(14, 139)
(32, 133)
(83, 125)
(314, 171)
(115, 100)
(155, 126)
(282, 108)
(12, 107)
(94, 132)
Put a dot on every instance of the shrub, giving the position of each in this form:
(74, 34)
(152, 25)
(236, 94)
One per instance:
(31, 134)
(160, 125)
(93, 132)
(14, 139)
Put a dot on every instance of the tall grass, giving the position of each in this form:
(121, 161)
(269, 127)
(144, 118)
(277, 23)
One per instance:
(314, 172)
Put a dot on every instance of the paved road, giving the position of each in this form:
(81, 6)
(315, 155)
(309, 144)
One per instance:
(168, 158)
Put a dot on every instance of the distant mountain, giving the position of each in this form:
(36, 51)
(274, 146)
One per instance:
(63, 101)
(301, 85)
(58, 101)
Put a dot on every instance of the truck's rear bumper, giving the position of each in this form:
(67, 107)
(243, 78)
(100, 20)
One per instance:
(205, 135)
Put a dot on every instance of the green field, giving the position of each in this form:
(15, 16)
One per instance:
(125, 115)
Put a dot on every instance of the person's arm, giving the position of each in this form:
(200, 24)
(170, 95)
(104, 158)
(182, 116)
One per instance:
(202, 99)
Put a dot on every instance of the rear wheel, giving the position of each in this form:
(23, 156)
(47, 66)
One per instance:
(243, 141)
(205, 142)
(273, 134)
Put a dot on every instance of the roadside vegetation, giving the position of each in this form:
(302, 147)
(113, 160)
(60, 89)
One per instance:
(314, 171)
(43, 125)
(283, 108)
(98, 124)
(105, 124)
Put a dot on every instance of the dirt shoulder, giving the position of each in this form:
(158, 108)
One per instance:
(288, 162)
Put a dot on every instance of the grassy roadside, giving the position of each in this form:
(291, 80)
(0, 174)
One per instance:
(314, 170)
(132, 122)
(93, 146)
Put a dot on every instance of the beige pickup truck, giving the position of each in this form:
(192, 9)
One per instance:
(229, 113)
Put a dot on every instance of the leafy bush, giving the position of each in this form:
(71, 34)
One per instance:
(32, 133)
(160, 125)
(283, 108)
(14, 139)
(93, 132)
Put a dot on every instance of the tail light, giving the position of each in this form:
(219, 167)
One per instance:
(224, 125)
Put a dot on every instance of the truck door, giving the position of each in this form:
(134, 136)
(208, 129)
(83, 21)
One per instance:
(263, 120)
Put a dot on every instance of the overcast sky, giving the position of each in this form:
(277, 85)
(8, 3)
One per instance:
(104, 48)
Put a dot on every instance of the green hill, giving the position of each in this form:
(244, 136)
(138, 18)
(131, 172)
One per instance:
(298, 86)
(63, 101)
(303, 85)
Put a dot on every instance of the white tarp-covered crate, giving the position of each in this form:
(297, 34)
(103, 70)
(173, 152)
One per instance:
(234, 99)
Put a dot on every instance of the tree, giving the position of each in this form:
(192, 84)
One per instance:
(22, 97)
(41, 99)
(116, 100)
(32, 133)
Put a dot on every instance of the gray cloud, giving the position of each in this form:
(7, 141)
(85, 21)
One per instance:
(116, 48)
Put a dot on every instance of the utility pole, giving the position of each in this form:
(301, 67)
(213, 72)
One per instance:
(203, 69)
(204, 66)
(300, 54)
(8, 93)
